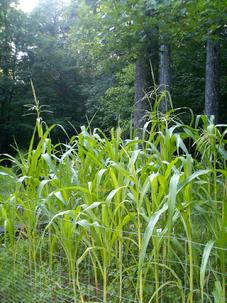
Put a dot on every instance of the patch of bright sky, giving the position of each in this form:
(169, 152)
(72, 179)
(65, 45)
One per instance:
(28, 5)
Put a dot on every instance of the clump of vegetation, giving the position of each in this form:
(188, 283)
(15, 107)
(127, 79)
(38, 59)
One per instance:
(102, 219)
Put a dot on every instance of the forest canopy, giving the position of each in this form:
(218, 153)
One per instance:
(95, 60)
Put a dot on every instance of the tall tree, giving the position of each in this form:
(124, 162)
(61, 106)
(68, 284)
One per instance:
(123, 24)
(206, 20)
(164, 74)
(141, 86)
(12, 42)
(52, 66)
(212, 78)
(164, 18)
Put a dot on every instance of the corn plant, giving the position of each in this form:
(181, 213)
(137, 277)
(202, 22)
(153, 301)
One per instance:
(141, 219)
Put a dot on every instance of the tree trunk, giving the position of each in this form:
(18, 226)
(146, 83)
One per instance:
(141, 85)
(212, 78)
(164, 74)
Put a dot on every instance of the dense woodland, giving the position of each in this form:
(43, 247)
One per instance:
(111, 189)
(93, 61)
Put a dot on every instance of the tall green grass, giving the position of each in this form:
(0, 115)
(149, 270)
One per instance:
(104, 219)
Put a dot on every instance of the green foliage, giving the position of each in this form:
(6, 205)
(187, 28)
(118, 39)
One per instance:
(12, 44)
(75, 53)
(136, 219)
(119, 32)
(117, 103)
(35, 47)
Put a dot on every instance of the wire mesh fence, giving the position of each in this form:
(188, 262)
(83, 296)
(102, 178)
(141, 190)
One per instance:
(45, 271)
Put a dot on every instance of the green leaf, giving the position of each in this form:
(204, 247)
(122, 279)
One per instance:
(149, 232)
(205, 258)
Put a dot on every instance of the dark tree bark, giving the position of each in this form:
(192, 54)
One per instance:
(4, 66)
(212, 78)
(141, 85)
(164, 74)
